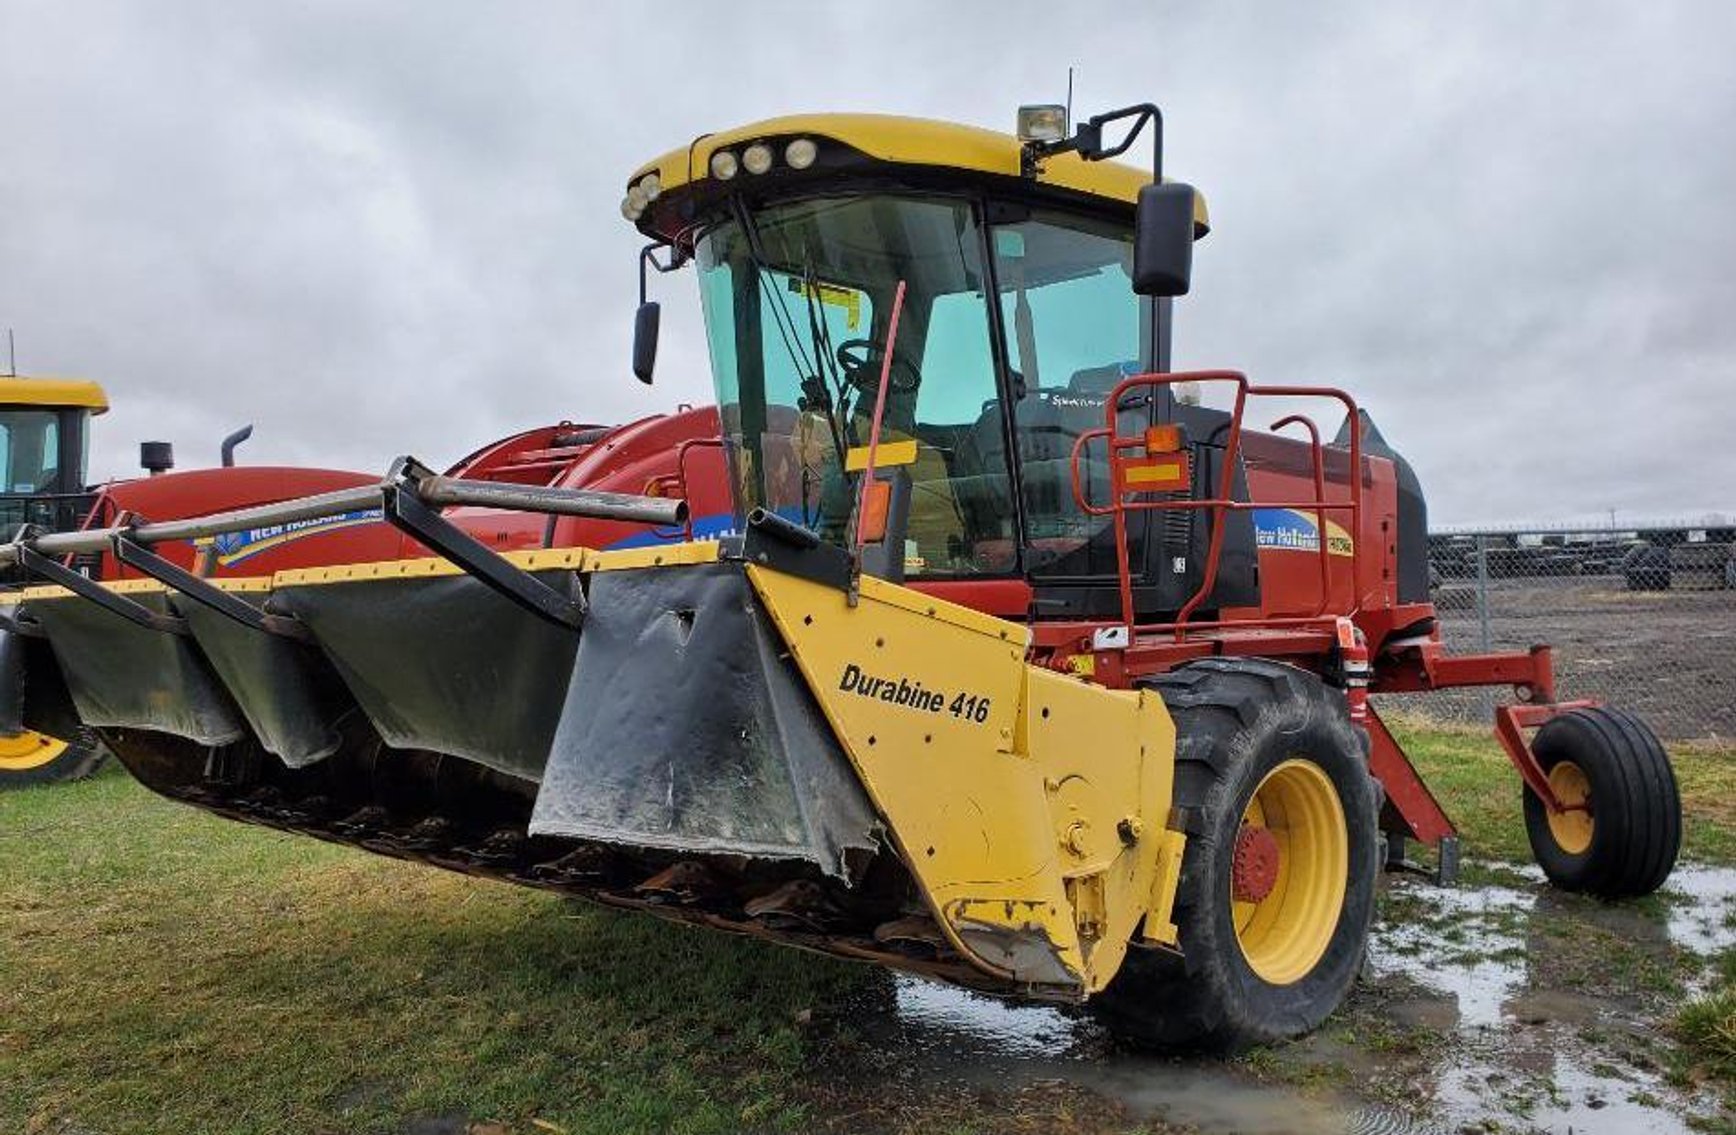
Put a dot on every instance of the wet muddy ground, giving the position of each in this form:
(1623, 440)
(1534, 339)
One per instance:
(1496, 1007)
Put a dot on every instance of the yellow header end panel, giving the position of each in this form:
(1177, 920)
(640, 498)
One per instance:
(931, 702)
(1107, 762)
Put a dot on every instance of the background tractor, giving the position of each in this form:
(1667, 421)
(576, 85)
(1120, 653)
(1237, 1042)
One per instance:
(961, 637)
(44, 447)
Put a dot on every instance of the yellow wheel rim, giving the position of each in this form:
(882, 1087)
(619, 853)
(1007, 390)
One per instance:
(1284, 932)
(28, 750)
(1571, 830)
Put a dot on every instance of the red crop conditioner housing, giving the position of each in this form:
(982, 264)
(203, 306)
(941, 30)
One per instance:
(1330, 608)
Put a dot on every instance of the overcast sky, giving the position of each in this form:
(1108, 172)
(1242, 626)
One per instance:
(370, 229)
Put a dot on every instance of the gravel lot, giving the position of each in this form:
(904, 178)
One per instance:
(1669, 656)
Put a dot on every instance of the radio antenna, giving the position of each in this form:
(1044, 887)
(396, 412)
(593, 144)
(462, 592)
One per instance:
(1069, 100)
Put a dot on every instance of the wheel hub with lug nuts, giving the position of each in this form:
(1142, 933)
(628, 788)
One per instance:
(1254, 866)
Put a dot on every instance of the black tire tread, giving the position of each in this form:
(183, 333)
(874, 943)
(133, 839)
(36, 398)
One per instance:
(1156, 1000)
(1637, 804)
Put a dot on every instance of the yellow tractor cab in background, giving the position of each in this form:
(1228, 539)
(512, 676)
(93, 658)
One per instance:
(45, 450)
(44, 460)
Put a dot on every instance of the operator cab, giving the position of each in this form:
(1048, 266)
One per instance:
(44, 450)
(1019, 316)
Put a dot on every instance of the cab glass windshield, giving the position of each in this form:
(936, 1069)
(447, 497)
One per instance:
(798, 299)
(797, 308)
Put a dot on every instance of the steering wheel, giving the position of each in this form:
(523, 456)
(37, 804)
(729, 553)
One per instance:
(861, 359)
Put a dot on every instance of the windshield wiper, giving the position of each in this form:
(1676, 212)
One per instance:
(830, 384)
(833, 400)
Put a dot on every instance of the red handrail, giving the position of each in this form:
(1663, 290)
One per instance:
(1318, 459)
(856, 530)
(1221, 502)
(681, 475)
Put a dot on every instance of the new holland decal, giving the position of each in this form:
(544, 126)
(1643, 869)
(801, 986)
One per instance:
(233, 547)
(1294, 530)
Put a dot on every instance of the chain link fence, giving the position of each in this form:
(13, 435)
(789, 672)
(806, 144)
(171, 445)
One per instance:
(1644, 620)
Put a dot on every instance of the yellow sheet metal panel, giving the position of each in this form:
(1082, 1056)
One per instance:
(352, 573)
(243, 584)
(133, 587)
(656, 555)
(536, 559)
(953, 614)
(1160, 920)
(1107, 762)
(78, 393)
(1004, 786)
(914, 141)
(927, 709)
(55, 591)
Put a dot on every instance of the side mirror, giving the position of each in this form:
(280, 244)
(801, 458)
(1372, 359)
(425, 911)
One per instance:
(645, 324)
(1163, 233)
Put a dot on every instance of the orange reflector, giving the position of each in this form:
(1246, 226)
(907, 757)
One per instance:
(1155, 474)
(871, 525)
(1163, 439)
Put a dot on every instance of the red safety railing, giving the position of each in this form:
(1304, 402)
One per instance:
(681, 474)
(1132, 498)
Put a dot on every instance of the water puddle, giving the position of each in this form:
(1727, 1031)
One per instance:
(1494, 1008)
(947, 1034)
(933, 1016)
(1704, 918)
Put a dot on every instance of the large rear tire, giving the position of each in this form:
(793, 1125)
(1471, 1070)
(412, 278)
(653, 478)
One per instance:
(36, 758)
(1625, 840)
(1277, 883)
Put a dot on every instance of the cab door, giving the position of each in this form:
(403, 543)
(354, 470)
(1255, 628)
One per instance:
(1072, 325)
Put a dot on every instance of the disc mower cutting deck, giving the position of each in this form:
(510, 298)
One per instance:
(1010, 663)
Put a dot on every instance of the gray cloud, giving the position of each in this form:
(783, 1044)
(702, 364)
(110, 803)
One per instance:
(383, 228)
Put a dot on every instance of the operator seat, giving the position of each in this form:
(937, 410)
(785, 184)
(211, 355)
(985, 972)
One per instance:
(1050, 422)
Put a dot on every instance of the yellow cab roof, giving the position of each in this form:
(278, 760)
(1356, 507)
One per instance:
(911, 142)
(67, 392)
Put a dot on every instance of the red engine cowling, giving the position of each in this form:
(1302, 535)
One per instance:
(666, 455)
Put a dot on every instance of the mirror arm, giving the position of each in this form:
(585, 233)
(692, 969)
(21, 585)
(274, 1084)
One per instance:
(1087, 141)
(646, 319)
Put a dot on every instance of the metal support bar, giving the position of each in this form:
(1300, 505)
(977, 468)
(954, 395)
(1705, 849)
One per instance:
(406, 512)
(626, 507)
(203, 591)
(409, 499)
(431, 488)
(1447, 862)
(198, 528)
(87, 588)
(1511, 721)
(783, 528)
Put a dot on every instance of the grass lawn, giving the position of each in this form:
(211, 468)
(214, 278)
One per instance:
(163, 970)
(167, 970)
(1471, 776)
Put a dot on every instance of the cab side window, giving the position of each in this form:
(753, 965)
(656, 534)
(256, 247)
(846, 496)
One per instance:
(1072, 325)
(30, 451)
